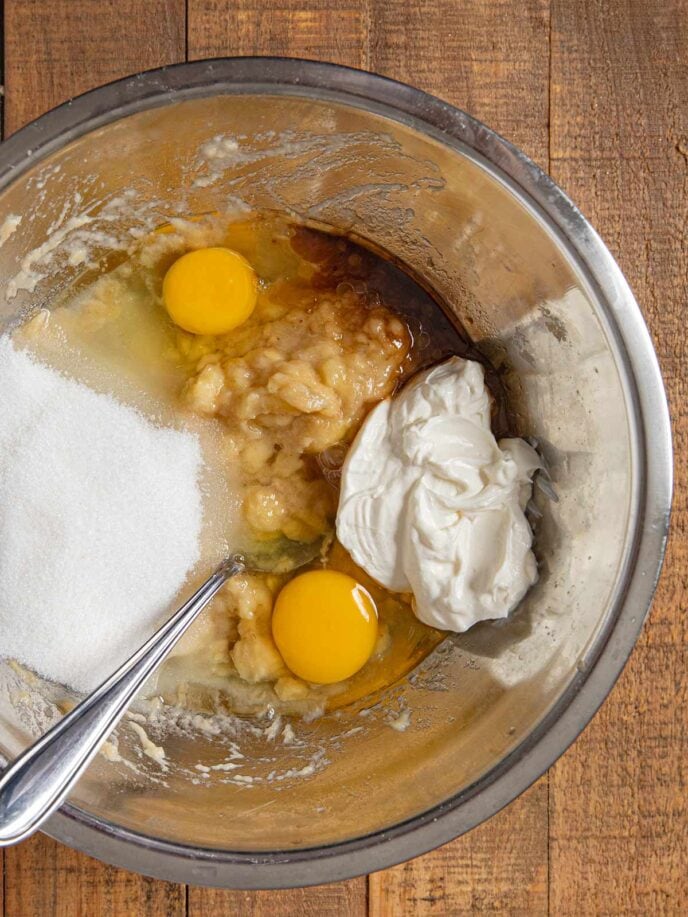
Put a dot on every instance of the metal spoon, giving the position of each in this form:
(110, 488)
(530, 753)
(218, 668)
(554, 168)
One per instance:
(39, 780)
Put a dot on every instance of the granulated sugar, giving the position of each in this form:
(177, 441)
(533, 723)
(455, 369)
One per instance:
(100, 520)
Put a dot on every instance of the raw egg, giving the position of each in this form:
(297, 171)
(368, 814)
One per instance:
(210, 290)
(325, 626)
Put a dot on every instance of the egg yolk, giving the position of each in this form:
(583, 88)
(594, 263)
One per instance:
(325, 626)
(210, 291)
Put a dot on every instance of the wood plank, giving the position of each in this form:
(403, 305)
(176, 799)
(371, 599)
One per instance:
(341, 899)
(493, 63)
(46, 879)
(482, 55)
(298, 28)
(619, 798)
(58, 49)
(53, 51)
(499, 867)
(315, 29)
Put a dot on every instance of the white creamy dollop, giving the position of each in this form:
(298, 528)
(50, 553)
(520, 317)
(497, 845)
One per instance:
(432, 504)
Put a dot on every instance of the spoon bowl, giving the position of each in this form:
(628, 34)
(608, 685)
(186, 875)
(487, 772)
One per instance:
(39, 780)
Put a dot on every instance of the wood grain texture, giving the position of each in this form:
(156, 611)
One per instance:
(336, 900)
(494, 64)
(57, 49)
(322, 30)
(500, 867)
(52, 51)
(484, 56)
(316, 29)
(619, 142)
(46, 879)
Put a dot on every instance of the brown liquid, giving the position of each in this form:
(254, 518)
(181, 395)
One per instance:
(437, 334)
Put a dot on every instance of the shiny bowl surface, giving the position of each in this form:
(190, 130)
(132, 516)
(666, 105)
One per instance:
(521, 269)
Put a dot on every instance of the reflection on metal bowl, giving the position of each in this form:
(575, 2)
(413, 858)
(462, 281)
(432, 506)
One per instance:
(522, 271)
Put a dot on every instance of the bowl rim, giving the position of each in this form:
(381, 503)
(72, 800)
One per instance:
(578, 704)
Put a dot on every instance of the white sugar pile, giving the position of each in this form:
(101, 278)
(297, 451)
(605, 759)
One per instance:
(100, 520)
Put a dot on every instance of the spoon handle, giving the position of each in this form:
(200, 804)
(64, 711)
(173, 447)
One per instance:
(38, 781)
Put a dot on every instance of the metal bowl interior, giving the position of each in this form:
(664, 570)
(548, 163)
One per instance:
(518, 267)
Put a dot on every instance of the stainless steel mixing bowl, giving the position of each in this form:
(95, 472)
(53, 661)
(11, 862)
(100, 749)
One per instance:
(520, 267)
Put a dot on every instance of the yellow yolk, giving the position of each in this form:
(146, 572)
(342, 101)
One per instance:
(210, 291)
(325, 626)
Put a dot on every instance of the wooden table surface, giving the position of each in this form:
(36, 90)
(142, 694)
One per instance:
(596, 92)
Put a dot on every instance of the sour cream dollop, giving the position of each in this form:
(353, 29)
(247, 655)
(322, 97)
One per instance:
(432, 504)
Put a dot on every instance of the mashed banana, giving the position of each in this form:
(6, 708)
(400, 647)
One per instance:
(295, 381)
